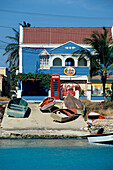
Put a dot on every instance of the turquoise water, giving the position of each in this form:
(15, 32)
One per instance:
(54, 154)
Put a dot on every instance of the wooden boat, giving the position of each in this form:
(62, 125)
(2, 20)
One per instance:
(106, 138)
(47, 103)
(17, 107)
(93, 116)
(63, 115)
(72, 103)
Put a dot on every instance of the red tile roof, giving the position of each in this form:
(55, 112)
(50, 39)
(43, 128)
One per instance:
(58, 35)
(99, 77)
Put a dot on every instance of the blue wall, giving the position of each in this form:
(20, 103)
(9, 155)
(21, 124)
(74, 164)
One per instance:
(63, 50)
(30, 62)
(79, 70)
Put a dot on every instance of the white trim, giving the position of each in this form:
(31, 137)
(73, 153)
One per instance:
(86, 46)
(51, 45)
(54, 57)
(112, 31)
(39, 45)
(44, 52)
(20, 49)
(62, 77)
(21, 35)
(20, 60)
(70, 56)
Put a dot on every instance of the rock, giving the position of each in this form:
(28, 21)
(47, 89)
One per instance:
(106, 124)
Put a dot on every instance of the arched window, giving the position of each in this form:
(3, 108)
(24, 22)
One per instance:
(57, 62)
(82, 62)
(69, 62)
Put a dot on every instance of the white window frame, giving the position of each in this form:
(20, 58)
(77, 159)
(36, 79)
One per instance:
(44, 62)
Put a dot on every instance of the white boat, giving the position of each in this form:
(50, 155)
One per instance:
(63, 115)
(47, 103)
(106, 138)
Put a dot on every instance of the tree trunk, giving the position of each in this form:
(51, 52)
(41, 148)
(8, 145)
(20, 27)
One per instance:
(104, 83)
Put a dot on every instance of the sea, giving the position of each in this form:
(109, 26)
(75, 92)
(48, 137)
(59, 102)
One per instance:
(54, 154)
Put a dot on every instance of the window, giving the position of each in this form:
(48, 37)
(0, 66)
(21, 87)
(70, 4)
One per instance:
(82, 62)
(57, 62)
(70, 47)
(44, 62)
(69, 62)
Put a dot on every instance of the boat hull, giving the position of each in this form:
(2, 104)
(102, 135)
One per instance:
(92, 116)
(60, 118)
(48, 105)
(101, 138)
(17, 107)
(73, 103)
(63, 115)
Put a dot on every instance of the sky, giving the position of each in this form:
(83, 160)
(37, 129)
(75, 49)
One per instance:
(51, 13)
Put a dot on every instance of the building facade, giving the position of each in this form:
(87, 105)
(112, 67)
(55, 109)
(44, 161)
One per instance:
(4, 81)
(56, 50)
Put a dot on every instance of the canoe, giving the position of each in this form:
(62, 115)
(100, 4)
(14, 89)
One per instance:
(92, 116)
(47, 103)
(63, 115)
(106, 138)
(17, 107)
(73, 103)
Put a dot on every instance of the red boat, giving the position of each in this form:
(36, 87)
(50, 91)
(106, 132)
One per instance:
(47, 103)
(93, 116)
(63, 115)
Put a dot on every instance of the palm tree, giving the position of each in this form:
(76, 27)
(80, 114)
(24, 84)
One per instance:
(103, 59)
(13, 50)
(26, 24)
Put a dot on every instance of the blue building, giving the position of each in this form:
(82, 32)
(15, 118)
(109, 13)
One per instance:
(50, 50)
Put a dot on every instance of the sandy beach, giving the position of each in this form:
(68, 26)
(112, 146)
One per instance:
(41, 124)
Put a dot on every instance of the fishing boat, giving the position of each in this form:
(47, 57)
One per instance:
(92, 116)
(63, 115)
(17, 107)
(106, 138)
(73, 103)
(47, 103)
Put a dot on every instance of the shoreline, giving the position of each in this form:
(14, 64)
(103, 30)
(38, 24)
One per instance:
(41, 134)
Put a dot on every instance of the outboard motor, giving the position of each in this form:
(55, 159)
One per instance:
(100, 131)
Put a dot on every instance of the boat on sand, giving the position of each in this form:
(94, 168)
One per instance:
(17, 107)
(73, 103)
(92, 116)
(47, 103)
(63, 115)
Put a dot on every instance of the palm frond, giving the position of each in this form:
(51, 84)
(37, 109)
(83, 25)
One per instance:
(13, 50)
(110, 67)
(12, 38)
